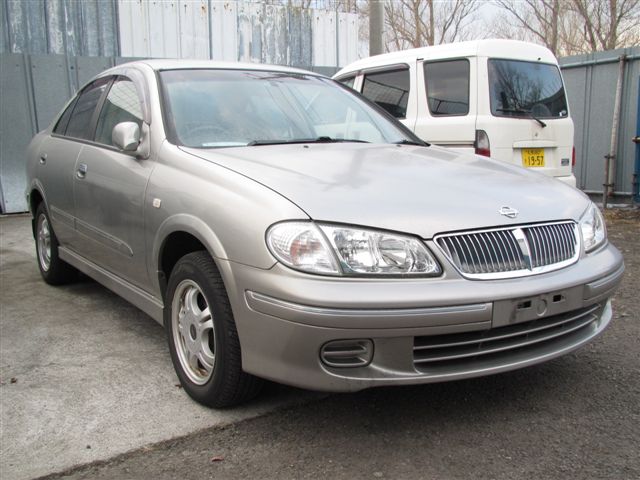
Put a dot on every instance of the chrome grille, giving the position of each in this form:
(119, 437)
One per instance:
(431, 353)
(513, 251)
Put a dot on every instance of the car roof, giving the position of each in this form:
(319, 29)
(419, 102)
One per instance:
(182, 64)
(496, 48)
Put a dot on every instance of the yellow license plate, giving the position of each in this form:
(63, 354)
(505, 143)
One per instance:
(533, 157)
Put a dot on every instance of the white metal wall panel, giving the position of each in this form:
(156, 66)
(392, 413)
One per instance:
(324, 37)
(164, 40)
(224, 31)
(134, 26)
(347, 38)
(194, 29)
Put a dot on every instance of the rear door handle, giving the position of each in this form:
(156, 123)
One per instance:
(82, 170)
(43, 159)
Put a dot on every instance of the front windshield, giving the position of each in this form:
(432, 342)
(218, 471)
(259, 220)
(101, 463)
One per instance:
(521, 89)
(227, 108)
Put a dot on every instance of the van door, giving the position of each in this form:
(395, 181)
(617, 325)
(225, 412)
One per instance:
(526, 115)
(447, 102)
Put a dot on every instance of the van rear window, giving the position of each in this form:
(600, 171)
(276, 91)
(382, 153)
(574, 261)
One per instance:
(525, 89)
(447, 87)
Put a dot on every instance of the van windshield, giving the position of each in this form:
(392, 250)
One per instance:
(526, 89)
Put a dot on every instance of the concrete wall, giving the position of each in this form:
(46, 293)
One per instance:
(591, 87)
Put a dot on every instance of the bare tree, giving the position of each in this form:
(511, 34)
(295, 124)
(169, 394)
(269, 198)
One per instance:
(538, 20)
(609, 24)
(570, 26)
(416, 23)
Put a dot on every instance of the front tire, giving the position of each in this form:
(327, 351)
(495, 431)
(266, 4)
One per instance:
(202, 335)
(54, 271)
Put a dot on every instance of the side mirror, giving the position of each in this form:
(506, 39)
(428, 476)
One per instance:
(126, 136)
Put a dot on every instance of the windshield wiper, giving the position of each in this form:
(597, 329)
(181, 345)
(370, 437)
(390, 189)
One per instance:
(519, 110)
(411, 142)
(255, 143)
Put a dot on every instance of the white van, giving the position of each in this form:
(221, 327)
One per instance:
(498, 98)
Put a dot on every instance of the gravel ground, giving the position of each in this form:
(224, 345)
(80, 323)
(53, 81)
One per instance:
(575, 417)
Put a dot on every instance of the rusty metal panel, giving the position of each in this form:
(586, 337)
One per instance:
(224, 28)
(4, 31)
(300, 36)
(67, 27)
(50, 86)
(16, 129)
(88, 67)
(26, 27)
(590, 82)
(274, 27)
(194, 29)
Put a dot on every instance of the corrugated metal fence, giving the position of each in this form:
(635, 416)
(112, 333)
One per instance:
(591, 87)
(50, 48)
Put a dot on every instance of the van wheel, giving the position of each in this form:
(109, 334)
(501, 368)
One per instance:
(54, 271)
(202, 335)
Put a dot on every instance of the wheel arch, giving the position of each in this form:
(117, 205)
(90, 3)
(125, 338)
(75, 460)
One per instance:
(182, 234)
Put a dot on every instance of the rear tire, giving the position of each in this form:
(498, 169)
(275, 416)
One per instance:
(202, 335)
(54, 271)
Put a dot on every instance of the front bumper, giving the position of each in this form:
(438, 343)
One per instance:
(421, 330)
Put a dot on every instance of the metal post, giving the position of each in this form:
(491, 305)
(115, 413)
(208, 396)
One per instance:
(610, 158)
(376, 25)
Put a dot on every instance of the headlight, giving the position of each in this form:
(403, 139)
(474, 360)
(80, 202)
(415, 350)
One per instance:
(338, 250)
(593, 229)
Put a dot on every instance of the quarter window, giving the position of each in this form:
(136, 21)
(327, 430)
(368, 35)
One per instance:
(348, 81)
(80, 121)
(390, 90)
(122, 105)
(447, 86)
(61, 126)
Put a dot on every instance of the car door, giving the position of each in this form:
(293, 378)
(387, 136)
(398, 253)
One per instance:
(58, 154)
(109, 190)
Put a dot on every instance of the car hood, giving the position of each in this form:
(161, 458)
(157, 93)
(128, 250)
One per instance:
(418, 190)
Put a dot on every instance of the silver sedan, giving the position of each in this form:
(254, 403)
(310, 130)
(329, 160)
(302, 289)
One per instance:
(282, 227)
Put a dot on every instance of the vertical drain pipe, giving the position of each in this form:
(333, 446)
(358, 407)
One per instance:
(610, 158)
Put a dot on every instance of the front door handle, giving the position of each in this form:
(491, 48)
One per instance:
(43, 159)
(635, 139)
(82, 170)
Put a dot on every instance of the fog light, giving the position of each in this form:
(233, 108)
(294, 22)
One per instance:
(347, 353)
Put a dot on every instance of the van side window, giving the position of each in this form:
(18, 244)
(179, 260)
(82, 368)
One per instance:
(447, 86)
(347, 81)
(390, 90)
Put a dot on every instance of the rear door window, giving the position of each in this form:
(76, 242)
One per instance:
(389, 89)
(80, 123)
(447, 85)
(525, 89)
